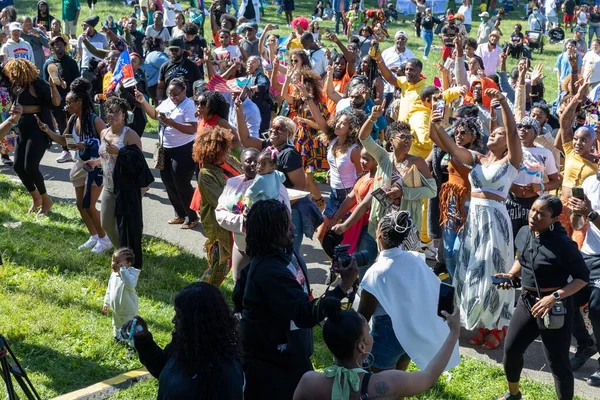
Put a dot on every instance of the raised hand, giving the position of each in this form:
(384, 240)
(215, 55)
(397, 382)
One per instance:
(494, 94)
(139, 96)
(537, 74)
(377, 111)
(43, 127)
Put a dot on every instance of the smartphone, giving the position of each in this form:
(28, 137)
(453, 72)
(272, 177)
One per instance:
(577, 192)
(593, 120)
(446, 299)
(70, 140)
(500, 281)
(88, 168)
(162, 115)
(440, 106)
(275, 26)
(381, 197)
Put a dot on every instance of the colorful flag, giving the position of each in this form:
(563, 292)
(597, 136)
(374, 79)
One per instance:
(219, 84)
(123, 72)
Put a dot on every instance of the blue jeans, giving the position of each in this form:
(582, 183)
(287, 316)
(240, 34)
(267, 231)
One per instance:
(338, 19)
(428, 38)
(297, 221)
(468, 28)
(451, 240)
(594, 30)
(366, 243)
(387, 351)
(235, 5)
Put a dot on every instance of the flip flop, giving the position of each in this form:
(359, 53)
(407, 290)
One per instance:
(190, 225)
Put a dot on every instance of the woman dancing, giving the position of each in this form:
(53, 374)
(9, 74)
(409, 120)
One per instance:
(36, 96)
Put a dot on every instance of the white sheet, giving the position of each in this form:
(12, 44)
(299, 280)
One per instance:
(408, 290)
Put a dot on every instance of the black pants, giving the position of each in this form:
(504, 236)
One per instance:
(177, 177)
(589, 294)
(524, 329)
(266, 380)
(90, 2)
(131, 225)
(418, 19)
(29, 151)
(60, 115)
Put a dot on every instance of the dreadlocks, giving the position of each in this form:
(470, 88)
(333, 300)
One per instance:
(394, 228)
(267, 224)
(21, 70)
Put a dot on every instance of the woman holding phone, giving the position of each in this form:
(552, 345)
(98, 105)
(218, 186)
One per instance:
(547, 259)
(82, 132)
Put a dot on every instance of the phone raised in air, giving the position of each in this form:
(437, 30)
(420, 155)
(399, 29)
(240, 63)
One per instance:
(446, 299)
(578, 193)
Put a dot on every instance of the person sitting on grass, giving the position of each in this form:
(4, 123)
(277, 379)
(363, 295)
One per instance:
(121, 296)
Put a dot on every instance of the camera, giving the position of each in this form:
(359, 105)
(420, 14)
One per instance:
(341, 252)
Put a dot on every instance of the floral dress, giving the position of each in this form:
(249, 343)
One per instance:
(7, 144)
(307, 143)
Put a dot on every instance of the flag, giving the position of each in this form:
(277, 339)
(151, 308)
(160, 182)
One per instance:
(218, 84)
(123, 72)
(594, 94)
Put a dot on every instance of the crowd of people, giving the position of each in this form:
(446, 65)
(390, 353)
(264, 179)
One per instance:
(475, 170)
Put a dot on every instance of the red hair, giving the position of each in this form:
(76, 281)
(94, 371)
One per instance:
(302, 21)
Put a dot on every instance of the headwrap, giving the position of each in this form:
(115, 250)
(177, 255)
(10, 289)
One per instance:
(486, 83)
(535, 125)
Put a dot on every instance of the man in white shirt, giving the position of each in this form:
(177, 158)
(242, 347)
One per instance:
(95, 38)
(170, 7)
(550, 11)
(490, 53)
(466, 10)
(393, 57)
(158, 29)
(15, 46)
(318, 59)
(251, 113)
(586, 212)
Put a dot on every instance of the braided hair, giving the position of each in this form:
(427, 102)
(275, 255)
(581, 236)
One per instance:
(126, 253)
(394, 228)
(80, 89)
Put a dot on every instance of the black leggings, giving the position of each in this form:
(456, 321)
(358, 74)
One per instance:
(589, 294)
(29, 151)
(177, 177)
(524, 329)
(90, 2)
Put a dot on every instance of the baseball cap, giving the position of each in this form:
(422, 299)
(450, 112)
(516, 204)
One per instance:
(579, 28)
(56, 39)
(484, 14)
(15, 26)
(176, 43)
(400, 34)
(248, 25)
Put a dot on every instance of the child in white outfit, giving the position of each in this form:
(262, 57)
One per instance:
(121, 296)
(266, 183)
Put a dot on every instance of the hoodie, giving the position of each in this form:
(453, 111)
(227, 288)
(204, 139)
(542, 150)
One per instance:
(43, 20)
(21, 49)
(486, 83)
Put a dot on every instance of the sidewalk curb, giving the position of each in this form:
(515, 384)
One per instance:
(109, 387)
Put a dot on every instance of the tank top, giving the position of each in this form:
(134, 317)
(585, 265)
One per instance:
(492, 178)
(342, 172)
(109, 160)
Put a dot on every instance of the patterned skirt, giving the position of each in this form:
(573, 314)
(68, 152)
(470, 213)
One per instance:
(312, 150)
(486, 249)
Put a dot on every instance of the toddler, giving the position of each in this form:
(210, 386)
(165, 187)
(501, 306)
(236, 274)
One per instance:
(266, 183)
(121, 296)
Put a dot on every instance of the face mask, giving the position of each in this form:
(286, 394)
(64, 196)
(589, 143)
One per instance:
(536, 12)
(457, 22)
(482, 20)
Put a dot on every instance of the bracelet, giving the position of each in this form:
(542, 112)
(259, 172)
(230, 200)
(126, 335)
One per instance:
(494, 119)
(373, 121)
(542, 187)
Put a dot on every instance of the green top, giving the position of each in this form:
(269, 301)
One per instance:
(69, 10)
(351, 379)
(412, 198)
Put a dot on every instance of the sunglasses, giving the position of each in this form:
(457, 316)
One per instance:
(294, 61)
(524, 126)
(200, 103)
(402, 137)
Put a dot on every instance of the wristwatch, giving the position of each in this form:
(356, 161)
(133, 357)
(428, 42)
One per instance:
(592, 216)
(556, 296)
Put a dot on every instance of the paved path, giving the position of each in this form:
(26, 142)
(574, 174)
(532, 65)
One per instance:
(157, 211)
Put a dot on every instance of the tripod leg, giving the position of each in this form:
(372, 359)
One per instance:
(10, 389)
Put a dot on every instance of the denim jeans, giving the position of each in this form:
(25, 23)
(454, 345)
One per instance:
(366, 243)
(451, 240)
(594, 30)
(235, 5)
(297, 221)
(428, 38)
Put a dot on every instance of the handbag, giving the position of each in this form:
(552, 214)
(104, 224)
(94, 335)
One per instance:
(555, 319)
(158, 159)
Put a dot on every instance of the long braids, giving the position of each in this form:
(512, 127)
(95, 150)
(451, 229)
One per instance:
(81, 89)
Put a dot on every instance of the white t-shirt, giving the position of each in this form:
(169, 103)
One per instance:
(591, 188)
(391, 58)
(591, 62)
(184, 112)
(98, 40)
(230, 52)
(537, 162)
(170, 13)
(466, 11)
(163, 33)
(491, 59)
(318, 60)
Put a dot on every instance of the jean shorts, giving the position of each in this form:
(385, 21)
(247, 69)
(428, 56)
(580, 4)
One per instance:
(387, 351)
(336, 198)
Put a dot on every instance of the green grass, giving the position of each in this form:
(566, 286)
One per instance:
(51, 296)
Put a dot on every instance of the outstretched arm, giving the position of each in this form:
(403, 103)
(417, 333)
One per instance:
(385, 71)
(350, 57)
(515, 151)
(439, 136)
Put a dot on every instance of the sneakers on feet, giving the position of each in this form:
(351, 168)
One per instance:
(429, 250)
(102, 245)
(7, 161)
(64, 157)
(91, 242)
(594, 379)
(581, 357)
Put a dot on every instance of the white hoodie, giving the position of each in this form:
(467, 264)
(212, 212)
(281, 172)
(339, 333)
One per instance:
(121, 296)
(21, 49)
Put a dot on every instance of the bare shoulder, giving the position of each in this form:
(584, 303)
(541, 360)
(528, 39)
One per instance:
(314, 386)
(418, 162)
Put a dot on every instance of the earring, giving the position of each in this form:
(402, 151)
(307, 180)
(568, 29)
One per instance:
(367, 362)
(551, 227)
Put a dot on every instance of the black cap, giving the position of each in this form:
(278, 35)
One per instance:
(175, 43)
(92, 21)
(56, 39)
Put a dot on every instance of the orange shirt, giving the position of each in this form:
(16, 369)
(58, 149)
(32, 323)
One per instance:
(340, 86)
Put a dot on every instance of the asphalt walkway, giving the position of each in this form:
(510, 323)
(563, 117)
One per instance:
(157, 210)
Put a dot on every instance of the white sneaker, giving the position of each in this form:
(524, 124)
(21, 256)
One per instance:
(64, 157)
(425, 58)
(102, 245)
(429, 250)
(91, 242)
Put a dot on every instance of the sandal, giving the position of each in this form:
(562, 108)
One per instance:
(494, 334)
(478, 339)
(176, 221)
(508, 396)
(189, 225)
